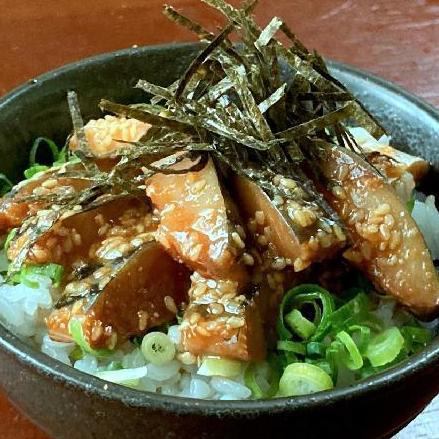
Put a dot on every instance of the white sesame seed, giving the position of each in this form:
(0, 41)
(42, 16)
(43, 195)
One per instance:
(279, 263)
(198, 186)
(260, 217)
(288, 183)
(248, 259)
(50, 183)
(237, 240)
(383, 209)
(262, 240)
(170, 304)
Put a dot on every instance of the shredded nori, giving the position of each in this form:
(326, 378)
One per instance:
(255, 107)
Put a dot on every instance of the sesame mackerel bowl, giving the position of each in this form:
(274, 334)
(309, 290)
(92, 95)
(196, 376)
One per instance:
(241, 247)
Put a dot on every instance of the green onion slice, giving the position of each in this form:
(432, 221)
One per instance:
(352, 358)
(291, 346)
(416, 338)
(126, 377)
(299, 324)
(352, 312)
(39, 141)
(262, 379)
(157, 348)
(385, 347)
(361, 335)
(5, 185)
(9, 238)
(315, 349)
(62, 156)
(77, 333)
(303, 379)
(35, 169)
(322, 364)
(215, 366)
(334, 356)
(52, 271)
(299, 296)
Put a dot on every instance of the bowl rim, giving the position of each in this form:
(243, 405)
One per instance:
(45, 365)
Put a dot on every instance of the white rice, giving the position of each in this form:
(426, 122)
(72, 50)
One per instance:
(22, 309)
(172, 378)
(427, 217)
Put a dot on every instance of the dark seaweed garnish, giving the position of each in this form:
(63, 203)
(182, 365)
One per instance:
(257, 107)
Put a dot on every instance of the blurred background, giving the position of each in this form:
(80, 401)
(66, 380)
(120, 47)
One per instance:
(396, 39)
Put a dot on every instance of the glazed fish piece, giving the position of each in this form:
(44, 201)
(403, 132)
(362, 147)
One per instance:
(123, 297)
(221, 321)
(16, 206)
(386, 243)
(107, 136)
(73, 239)
(195, 224)
(394, 161)
(298, 232)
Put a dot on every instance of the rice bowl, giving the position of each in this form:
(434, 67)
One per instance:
(299, 401)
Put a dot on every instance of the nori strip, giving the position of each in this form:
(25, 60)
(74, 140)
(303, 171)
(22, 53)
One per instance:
(233, 104)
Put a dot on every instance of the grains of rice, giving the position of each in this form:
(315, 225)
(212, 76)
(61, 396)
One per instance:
(22, 308)
(426, 216)
(163, 372)
(87, 364)
(227, 386)
(57, 350)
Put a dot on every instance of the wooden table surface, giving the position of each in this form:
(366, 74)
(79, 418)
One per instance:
(396, 39)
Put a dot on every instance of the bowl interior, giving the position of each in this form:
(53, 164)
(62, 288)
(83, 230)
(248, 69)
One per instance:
(39, 108)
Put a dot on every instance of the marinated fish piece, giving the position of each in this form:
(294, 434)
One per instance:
(15, 207)
(195, 224)
(73, 238)
(386, 243)
(394, 161)
(300, 233)
(107, 136)
(124, 296)
(221, 321)
(391, 164)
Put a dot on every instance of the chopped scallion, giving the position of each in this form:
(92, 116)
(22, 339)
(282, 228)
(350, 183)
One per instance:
(299, 324)
(157, 348)
(9, 238)
(361, 335)
(5, 185)
(291, 346)
(52, 271)
(214, 366)
(77, 333)
(315, 349)
(262, 379)
(126, 377)
(385, 347)
(38, 142)
(352, 358)
(303, 379)
(299, 296)
(35, 169)
(416, 337)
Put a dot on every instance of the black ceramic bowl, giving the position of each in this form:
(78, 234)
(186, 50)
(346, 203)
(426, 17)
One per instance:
(69, 404)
